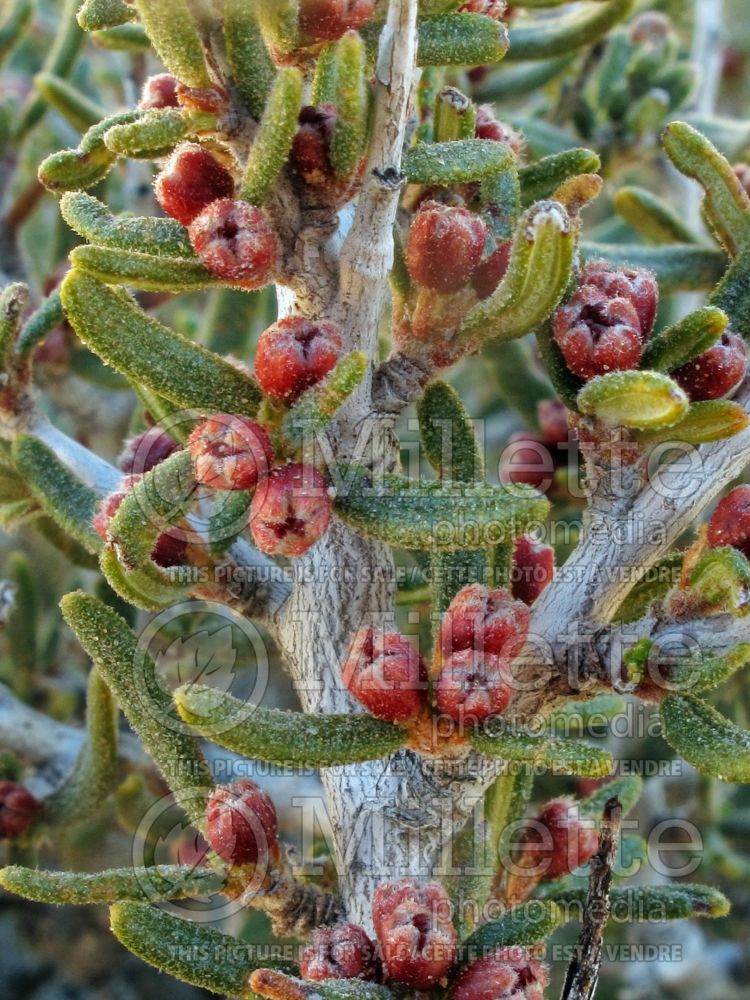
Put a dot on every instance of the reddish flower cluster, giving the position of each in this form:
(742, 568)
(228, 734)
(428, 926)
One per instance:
(230, 452)
(558, 840)
(730, 522)
(190, 181)
(445, 246)
(341, 952)
(488, 126)
(146, 450)
(310, 155)
(18, 807)
(386, 674)
(415, 932)
(294, 354)
(505, 974)
(290, 511)
(327, 20)
(715, 373)
(170, 546)
(159, 91)
(241, 823)
(490, 8)
(533, 568)
(607, 320)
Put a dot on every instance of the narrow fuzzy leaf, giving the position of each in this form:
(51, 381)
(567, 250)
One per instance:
(652, 217)
(442, 516)
(170, 26)
(251, 65)
(273, 140)
(352, 99)
(68, 101)
(684, 341)
(698, 674)
(13, 300)
(131, 675)
(708, 741)
(447, 434)
(455, 116)
(278, 20)
(194, 953)
(523, 926)
(561, 756)
(146, 351)
(721, 578)
(76, 169)
(650, 903)
(140, 270)
(313, 411)
(518, 382)
(580, 715)
(149, 588)
(545, 39)
(655, 583)
(517, 81)
(726, 203)
(450, 163)
(155, 134)
(709, 420)
(137, 884)
(639, 399)
(95, 15)
(60, 494)
(92, 220)
(628, 790)
(287, 738)
(123, 38)
(44, 319)
(16, 17)
(733, 294)
(275, 986)
(678, 268)
(541, 179)
(461, 39)
(323, 88)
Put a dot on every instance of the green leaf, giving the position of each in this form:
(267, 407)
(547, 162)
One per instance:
(697, 674)
(726, 203)
(558, 36)
(447, 434)
(155, 134)
(68, 101)
(113, 326)
(628, 790)
(678, 268)
(455, 116)
(123, 38)
(188, 951)
(252, 67)
(678, 344)
(638, 399)
(92, 220)
(44, 319)
(578, 716)
(16, 17)
(287, 738)
(312, 413)
(170, 26)
(721, 579)
(75, 169)
(95, 15)
(652, 903)
(652, 217)
(110, 886)
(541, 179)
(131, 675)
(460, 162)
(273, 140)
(655, 583)
(733, 294)
(496, 739)
(522, 926)
(517, 81)
(708, 741)
(461, 39)
(150, 587)
(147, 271)
(352, 100)
(442, 516)
(709, 420)
(60, 494)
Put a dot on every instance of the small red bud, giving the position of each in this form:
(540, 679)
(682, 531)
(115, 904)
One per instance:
(445, 246)
(533, 568)
(294, 354)
(558, 840)
(488, 126)
(145, 451)
(386, 674)
(472, 686)
(213, 100)
(505, 974)
(18, 807)
(236, 242)
(598, 334)
(290, 510)
(341, 952)
(635, 284)
(241, 823)
(415, 932)
(490, 8)
(159, 91)
(715, 373)
(312, 143)
(191, 179)
(730, 522)
(528, 458)
(490, 621)
(491, 271)
(552, 415)
(327, 20)
(230, 452)
(170, 546)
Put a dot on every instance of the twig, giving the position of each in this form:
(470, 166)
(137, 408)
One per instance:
(583, 971)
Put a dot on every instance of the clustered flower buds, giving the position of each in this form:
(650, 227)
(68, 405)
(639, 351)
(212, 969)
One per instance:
(605, 323)
(294, 354)
(230, 452)
(341, 952)
(415, 932)
(310, 155)
(715, 373)
(558, 840)
(505, 974)
(241, 823)
(386, 674)
(170, 546)
(730, 522)
(490, 8)
(290, 511)
(190, 181)
(159, 91)
(491, 270)
(145, 451)
(472, 686)
(327, 20)
(236, 242)
(18, 807)
(533, 568)
(445, 246)
(488, 126)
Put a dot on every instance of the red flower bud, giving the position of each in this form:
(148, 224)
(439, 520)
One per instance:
(715, 373)
(170, 546)
(294, 354)
(159, 91)
(415, 932)
(472, 686)
(528, 458)
(491, 271)
(386, 674)
(488, 126)
(312, 144)
(327, 20)
(290, 510)
(18, 807)
(241, 823)
(213, 100)
(191, 180)
(236, 242)
(145, 451)
(558, 840)
(490, 8)
(506, 974)
(490, 621)
(635, 284)
(341, 952)
(552, 415)
(230, 452)
(533, 568)
(730, 522)
(598, 334)
(445, 246)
